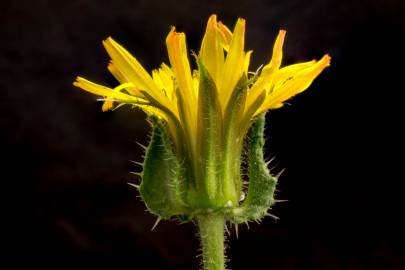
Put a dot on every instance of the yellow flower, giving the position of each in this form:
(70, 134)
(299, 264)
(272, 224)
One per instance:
(175, 94)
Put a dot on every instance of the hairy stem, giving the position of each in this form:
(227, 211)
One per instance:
(211, 228)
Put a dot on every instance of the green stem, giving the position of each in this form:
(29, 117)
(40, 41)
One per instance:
(211, 229)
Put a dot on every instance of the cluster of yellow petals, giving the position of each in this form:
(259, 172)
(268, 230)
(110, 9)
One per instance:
(171, 92)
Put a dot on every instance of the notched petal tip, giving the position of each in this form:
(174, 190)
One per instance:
(227, 34)
(326, 59)
(213, 18)
(212, 24)
(108, 38)
(174, 37)
(241, 21)
(240, 27)
(108, 41)
(108, 105)
(172, 34)
(78, 82)
(320, 65)
(278, 44)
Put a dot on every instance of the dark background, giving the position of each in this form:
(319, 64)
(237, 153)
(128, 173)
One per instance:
(66, 203)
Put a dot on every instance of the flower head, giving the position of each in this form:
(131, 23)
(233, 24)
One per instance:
(206, 111)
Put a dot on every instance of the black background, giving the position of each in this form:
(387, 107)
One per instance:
(66, 164)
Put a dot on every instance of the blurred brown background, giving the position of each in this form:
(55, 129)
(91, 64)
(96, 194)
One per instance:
(66, 164)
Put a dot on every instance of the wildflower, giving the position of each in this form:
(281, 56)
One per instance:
(201, 118)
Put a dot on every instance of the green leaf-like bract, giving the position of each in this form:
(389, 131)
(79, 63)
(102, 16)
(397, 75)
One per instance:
(209, 134)
(161, 187)
(168, 190)
(262, 184)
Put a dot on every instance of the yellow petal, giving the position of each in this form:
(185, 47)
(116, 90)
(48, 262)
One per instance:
(196, 80)
(277, 56)
(107, 105)
(121, 78)
(133, 70)
(116, 73)
(105, 91)
(225, 35)
(211, 52)
(296, 85)
(247, 61)
(158, 81)
(167, 70)
(234, 63)
(177, 50)
(266, 77)
(290, 71)
(164, 79)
